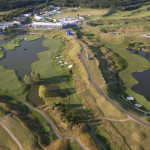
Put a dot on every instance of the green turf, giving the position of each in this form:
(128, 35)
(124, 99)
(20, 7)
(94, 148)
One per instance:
(25, 137)
(32, 37)
(44, 64)
(135, 63)
(10, 83)
(73, 146)
(105, 138)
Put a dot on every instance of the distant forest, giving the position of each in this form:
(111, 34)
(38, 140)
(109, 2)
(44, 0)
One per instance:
(113, 4)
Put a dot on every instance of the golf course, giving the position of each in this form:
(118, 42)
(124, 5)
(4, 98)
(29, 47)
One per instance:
(69, 92)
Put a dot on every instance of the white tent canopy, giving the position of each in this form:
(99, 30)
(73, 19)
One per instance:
(130, 98)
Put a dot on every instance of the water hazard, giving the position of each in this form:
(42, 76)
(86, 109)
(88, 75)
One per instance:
(143, 77)
(23, 56)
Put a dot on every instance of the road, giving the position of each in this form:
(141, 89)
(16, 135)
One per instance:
(50, 123)
(12, 136)
(104, 94)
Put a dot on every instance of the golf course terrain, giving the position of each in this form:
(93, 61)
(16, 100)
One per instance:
(74, 94)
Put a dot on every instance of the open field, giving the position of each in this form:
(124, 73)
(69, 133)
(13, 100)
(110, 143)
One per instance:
(11, 83)
(70, 101)
(91, 97)
(59, 76)
(136, 135)
(82, 12)
(141, 12)
(6, 142)
(26, 138)
(126, 75)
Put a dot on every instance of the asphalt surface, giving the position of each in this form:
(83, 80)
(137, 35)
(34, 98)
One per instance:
(135, 118)
(50, 123)
(12, 136)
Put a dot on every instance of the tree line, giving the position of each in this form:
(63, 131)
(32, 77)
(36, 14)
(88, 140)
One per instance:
(114, 4)
(13, 4)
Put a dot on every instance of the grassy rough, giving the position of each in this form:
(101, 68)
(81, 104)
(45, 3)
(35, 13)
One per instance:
(26, 138)
(9, 82)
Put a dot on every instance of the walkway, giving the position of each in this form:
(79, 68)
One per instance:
(12, 136)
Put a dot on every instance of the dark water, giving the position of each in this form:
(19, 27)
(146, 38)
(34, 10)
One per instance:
(33, 95)
(143, 77)
(52, 91)
(141, 53)
(23, 56)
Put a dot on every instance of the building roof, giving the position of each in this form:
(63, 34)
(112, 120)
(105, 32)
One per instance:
(46, 23)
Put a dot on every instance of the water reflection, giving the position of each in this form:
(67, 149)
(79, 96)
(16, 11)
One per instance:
(23, 56)
(143, 77)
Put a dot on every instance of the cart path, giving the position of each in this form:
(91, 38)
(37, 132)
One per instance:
(99, 88)
(12, 136)
(50, 123)
(117, 120)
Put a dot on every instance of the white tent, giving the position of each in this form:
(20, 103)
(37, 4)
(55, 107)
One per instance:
(138, 105)
(129, 98)
(70, 66)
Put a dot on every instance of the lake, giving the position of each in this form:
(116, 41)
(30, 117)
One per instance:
(23, 56)
(143, 77)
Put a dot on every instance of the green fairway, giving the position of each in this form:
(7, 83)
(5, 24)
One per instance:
(135, 63)
(32, 37)
(6, 142)
(10, 83)
(44, 65)
(24, 136)
(73, 146)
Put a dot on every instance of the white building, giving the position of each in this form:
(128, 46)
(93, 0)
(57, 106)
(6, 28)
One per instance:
(39, 18)
(27, 15)
(53, 12)
(66, 21)
(46, 25)
(17, 23)
(6, 25)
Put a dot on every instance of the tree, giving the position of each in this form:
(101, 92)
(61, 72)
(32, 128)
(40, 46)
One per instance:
(42, 91)
(126, 43)
(27, 80)
(137, 45)
(35, 76)
(10, 30)
(79, 34)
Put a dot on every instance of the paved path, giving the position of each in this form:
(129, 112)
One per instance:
(12, 136)
(50, 123)
(117, 120)
(135, 118)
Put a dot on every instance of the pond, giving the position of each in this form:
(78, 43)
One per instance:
(33, 95)
(52, 91)
(23, 56)
(21, 59)
(143, 77)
